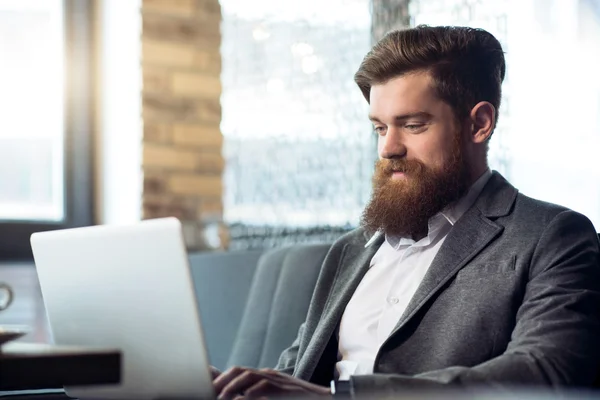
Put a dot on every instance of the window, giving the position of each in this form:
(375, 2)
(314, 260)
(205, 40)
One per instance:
(31, 77)
(298, 146)
(45, 135)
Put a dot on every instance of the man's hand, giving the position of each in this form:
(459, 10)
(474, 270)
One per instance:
(214, 372)
(254, 383)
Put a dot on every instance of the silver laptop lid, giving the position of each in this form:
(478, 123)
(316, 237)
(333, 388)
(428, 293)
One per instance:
(127, 287)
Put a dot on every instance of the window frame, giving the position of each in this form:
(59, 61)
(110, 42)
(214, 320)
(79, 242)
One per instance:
(79, 56)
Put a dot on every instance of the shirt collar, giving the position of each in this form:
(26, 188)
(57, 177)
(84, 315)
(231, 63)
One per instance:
(452, 212)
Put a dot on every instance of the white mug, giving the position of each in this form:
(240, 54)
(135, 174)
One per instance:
(6, 296)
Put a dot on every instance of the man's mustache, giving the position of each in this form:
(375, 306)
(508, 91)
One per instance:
(389, 166)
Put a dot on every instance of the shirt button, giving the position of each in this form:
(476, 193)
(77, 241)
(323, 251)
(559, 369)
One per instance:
(393, 300)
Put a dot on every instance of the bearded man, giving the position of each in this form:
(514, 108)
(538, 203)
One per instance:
(454, 277)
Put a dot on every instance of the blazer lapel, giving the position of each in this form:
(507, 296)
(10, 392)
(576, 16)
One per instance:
(352, 267)
(469, 236)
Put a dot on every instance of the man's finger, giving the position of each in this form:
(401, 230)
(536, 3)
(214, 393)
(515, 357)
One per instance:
(285, 379)
(214, 372)
(291, 382)
(265, 387)
(240, 384)
(226, 377)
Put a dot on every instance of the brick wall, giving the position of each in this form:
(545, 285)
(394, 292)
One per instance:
(182, 160)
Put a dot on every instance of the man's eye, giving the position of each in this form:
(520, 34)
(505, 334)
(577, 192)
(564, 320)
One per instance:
(413, 127)
(380, 130)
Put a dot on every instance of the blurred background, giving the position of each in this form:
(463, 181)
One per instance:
(241, 118)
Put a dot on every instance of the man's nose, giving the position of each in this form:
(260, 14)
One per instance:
(391, 145)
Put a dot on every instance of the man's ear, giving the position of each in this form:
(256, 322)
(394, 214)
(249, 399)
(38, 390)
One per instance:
(483, 119)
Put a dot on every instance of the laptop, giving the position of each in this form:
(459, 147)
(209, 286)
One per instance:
(127, 287)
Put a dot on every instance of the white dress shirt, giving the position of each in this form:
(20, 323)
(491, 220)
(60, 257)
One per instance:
(383, 294)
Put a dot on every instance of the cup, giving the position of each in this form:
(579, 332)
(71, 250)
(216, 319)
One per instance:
(6, 296)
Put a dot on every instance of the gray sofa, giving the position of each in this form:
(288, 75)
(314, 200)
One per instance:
(251, 303)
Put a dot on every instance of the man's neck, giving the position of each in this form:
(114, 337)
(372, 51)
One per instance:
(420, 234)
(477, 171)
(474, 176)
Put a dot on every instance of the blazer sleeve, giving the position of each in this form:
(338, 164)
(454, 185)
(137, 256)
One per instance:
(287, 360)
(555, 339)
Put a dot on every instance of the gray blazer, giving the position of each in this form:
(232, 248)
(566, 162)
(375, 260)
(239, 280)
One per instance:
(512, 297)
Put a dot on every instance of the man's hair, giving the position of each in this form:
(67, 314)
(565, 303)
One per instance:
(466, 64)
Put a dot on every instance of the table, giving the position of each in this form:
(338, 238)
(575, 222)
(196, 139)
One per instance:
(28, 366)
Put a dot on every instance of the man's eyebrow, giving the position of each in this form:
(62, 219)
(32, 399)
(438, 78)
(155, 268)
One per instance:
(403, 117)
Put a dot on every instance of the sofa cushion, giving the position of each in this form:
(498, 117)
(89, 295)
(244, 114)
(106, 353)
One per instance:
(222, 281)
(277, 304)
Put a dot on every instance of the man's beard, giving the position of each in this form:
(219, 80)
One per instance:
(403, 207)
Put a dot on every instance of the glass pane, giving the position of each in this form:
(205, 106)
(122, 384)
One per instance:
(31, 104)
(491, 15)
(298, 144)
(548, 133)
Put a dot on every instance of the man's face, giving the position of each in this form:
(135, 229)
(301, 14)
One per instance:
(421, 166)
